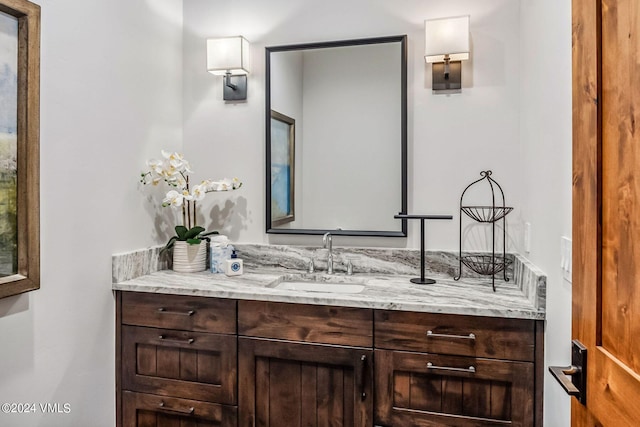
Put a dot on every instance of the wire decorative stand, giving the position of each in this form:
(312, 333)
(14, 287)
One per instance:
(486, 265)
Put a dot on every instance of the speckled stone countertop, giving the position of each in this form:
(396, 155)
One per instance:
(521, 297)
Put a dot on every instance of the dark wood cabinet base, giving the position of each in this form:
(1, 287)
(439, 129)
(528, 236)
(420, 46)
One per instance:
(197, 361)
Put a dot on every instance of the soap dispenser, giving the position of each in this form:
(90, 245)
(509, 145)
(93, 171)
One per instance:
(233, 266)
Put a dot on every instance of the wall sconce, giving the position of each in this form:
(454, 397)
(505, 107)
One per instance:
(446, 46)
(229, 57)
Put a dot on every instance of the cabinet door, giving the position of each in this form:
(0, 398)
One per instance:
(146, 410)
(420, 389)
(190, 365)
(288, 384)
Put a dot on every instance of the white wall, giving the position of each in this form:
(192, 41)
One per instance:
(513, 116)
(111, 97)
(451, 138)
(546, 138)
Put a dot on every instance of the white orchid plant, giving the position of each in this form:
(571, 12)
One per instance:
(174, 170)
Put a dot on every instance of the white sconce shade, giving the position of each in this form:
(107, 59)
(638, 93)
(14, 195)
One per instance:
(446, 36)
(228, 55)
(446, 45)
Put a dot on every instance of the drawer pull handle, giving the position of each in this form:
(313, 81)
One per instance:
(470, 369)
(163, 310)
(188, 340)
(431, 334)
(178, 411)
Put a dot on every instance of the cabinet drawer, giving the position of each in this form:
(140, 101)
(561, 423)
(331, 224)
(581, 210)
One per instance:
(427, 389)
(150, 410)
(307, 323)
(498, 338)
(179, 312)
(189, 365)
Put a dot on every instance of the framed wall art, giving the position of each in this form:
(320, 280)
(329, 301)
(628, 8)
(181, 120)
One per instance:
(19, 147)
(282, 169)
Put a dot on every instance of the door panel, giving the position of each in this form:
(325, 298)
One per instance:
(438, 390)
(606, 199)
(287, 384)
(620, 182)
(180, 363)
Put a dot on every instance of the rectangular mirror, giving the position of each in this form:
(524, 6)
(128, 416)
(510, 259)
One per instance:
(336, 137)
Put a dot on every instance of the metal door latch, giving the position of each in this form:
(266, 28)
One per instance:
(573, 379)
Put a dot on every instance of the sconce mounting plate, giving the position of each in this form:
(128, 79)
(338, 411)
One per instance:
(236, 89)
(443, 85)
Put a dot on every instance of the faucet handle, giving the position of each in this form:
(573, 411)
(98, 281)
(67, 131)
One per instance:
(310, 266)
(349, 267)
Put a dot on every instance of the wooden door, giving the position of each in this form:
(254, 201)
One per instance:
(290, 384)
(606, 208)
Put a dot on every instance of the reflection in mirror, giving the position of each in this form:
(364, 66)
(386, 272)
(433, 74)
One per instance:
(283, 131)
(336, 137)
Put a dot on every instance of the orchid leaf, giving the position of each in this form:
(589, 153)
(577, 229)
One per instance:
(181, 231)
(169, 244)
(194, 241)
(193, 232)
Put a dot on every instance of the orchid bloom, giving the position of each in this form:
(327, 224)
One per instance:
(174, 170)
(224, 185)
(155, 165)
(173, 198)
(198, 192)
(175, 163)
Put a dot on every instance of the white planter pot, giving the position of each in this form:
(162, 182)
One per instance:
(189, 258)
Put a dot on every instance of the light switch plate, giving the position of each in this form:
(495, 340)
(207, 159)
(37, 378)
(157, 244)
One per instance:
(527, 237)
(566, 257)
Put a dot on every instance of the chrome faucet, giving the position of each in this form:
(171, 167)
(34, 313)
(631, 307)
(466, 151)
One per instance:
(327, 244)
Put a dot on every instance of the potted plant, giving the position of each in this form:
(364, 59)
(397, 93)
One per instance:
(189, 254)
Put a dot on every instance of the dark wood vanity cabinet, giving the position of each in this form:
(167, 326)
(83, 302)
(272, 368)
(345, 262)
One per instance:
(178, 360)
(447, 370)
(200, 361)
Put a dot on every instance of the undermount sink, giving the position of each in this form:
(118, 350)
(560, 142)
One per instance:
(321, 283)
(334, 288)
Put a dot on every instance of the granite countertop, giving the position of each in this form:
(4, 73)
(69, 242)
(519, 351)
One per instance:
(393, 291)
(468, 296)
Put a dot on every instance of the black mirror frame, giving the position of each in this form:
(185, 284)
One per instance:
(403, 140)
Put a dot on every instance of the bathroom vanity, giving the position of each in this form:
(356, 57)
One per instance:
(202, 349)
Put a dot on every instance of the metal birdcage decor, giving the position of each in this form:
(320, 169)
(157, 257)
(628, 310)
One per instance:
(486, 264)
